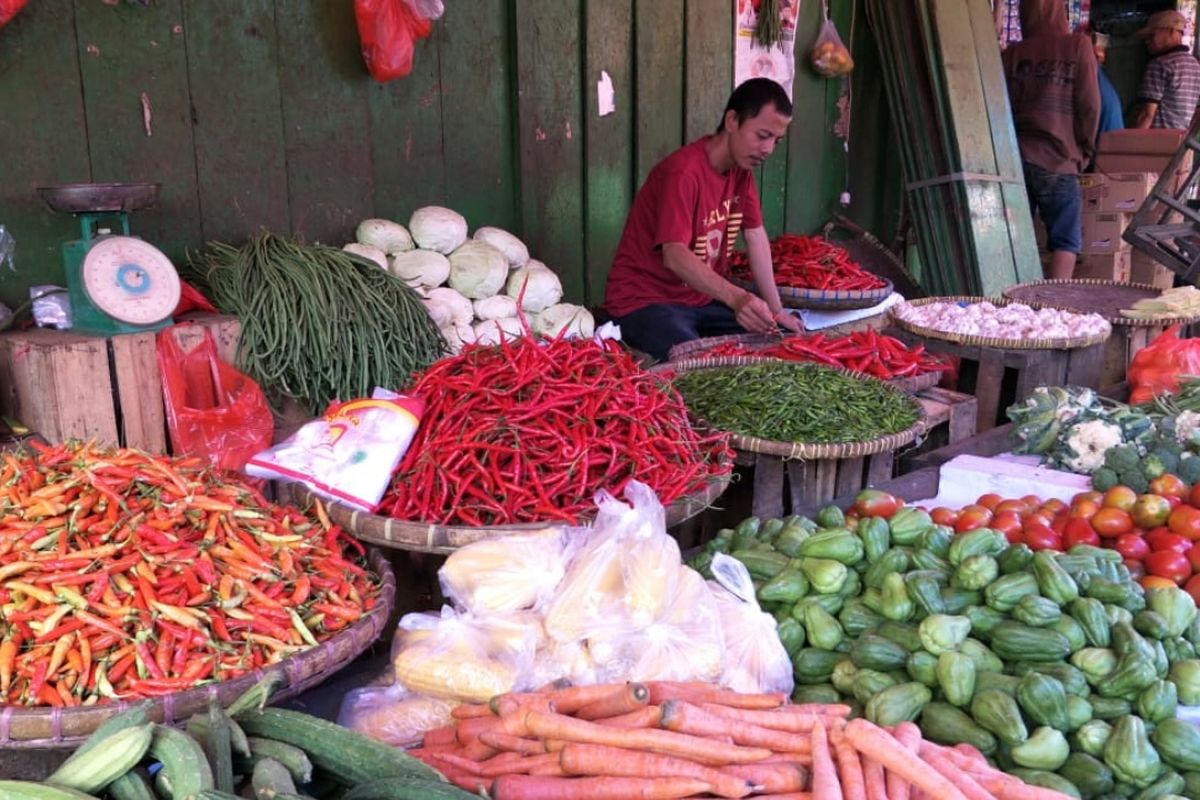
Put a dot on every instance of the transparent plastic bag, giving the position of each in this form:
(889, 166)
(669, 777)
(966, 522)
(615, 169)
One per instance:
(393, 715)
(554, 661)
(829, 56)
(51, 307)
(8, 249)
(755, 660)
(499, 576)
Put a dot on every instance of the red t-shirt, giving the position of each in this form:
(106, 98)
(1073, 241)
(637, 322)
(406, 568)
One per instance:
(683, 200)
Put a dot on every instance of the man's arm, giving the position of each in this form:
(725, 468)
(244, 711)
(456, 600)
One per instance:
(1150, 94)
(751, 312)
(758, 247)
(1087, 101)
(1144, 116)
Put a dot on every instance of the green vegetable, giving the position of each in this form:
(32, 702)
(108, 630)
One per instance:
(812, 665)
(1016, 558)
(790, 538)
(838, 545)
(857, 618)
(894, 560)
(825, 575)
(1089, 613)
(925, 591)
(868, 682)
(1104, 479)
(1125, 594)
(1117, 615)
(1127, 641)
(818, 693)
(1054, 582)
(823, 630)
(908, 525)
(1151, 623)
(1096, 663)
(1169, 784)
(1035, 611)
(876, 652)
(984, 620)
(943, 633)
(1004, 593)
(896, 603)
(1178, 649)
(999, 713)
(842, 676)
(1157, 702)
(927, 559)
(922, 667)
(981, 541)
(1092, 736)
(995, 680)
(786, 587)
(985, 660)
(1079, 712)
(904, 634)
(791, 635)
(1047, 780)
(1109, 708)
(1046, 749)
(1176, 607)
(762, 564)
(897, 703)
(945, 724)
(1014, 641)
(1044, 700)
(875, 536)
(1186, 677)
(830, 517)
(1071, 629)
(1088, 773)
(832, 603)
(936, 540)
(1073, 680)
(1178, 743)
(976, 572)
(1132, 675)
(957, 600)
(956, 677)
(1129, 754)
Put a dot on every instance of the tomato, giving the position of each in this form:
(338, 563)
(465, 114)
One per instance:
(1112, 522)
(1132, 547)
(1008, 523)
(971, 518)
(1121, 497)
(1017, 506)
(1084, 509)
(1090, 494)
(874, 503)
(1169, 564)
(1079, 531)
(1040, 518)
(1194, 495)
(944, 516)
(1032, 500)
(1174, 502)
(989, 501)
(1039, 537)
(1193, 588)
(1160, 541)
(1185, 521)
(1169, 485)
(1156, 582)
(1150, 511)
(1054, 505)
(1136, 568)
(1194, 556)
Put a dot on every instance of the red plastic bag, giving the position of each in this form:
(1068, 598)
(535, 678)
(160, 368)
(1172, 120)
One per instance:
(192, 299)
(213, 410)
(9, 9)
(388, 29)
(1157, 368)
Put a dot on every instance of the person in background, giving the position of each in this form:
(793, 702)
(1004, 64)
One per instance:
(1055, 97)
(1171, 83)
(1111, 116)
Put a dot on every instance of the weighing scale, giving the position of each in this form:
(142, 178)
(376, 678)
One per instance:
(117, 283)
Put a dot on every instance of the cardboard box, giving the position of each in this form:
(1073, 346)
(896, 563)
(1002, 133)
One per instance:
(1122, 192)
(1102, 233)
(1144, 269)
(1137, 149)
(1107, 267)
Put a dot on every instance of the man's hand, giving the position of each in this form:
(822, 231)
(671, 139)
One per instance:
(753, 313)
(790, 322)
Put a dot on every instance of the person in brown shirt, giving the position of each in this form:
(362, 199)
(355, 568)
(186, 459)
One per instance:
(1055, 96)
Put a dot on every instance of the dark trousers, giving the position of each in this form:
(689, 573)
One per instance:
(656, 329)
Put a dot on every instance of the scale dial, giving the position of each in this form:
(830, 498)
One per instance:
(130, 280)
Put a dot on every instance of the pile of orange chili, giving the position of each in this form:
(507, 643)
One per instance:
(127, 575)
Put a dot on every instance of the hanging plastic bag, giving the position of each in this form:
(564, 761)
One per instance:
(755, 660)
(392, 715)
(1157, 368)
(500, 576)
(213, 410)
(830, 57)
(388, 30)
(9, 9)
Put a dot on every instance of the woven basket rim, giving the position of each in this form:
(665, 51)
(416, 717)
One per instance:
(1117, 320)
(806, 450)
(1069, 343)
(818, 299)
(300, 671)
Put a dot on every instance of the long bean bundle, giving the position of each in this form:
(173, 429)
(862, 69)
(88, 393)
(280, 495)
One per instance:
(796, 403)
(318, 324)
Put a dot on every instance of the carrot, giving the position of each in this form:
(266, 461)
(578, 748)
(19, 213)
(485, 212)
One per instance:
(1005, 787)
(503, 705)
(477, 750)
(470, 710)
(849, 767)
(623, 700)
(444, 735)
(789, 796)
(683, 717)
(820, 709)
(644, 717)
(554, 686)
(932, 755)
(550, 769)
(573, 698)
(521, 765)
(777, 720)
(471, 728)
(514, 744)
(524, 787)
(697, 692)
(909, 735)
(825, 785)
(874, 777)
(457, 762)
(771, 778)
(466, 781)
(597, 760)
(971, 751)
(876, 743)
(557, 726)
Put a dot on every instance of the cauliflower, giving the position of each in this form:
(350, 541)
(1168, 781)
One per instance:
(1088, 441)
(1187, 426)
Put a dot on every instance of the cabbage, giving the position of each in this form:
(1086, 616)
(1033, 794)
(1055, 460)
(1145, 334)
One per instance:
(497, 307)
(441, 314)
(390, 237)
(421, 267)
(491, 331)
(577, 321)
(437, 228)
(477, 270)
(368, 252)
(513, 248)
(456, 336)
(458, 307)
(542, 287)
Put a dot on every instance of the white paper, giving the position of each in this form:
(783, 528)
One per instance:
(964, 478)
(605, 96)
(818, 320)
(751, 61)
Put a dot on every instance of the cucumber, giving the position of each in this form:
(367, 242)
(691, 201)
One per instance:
(185, 769)
(217, 747)
(256, 696)
(131, 786)
(197, 727)
(271, 778)
(94, 769)
(295, 759)
(28, 790)
(349, 756)
(129, 718)
(406, 789)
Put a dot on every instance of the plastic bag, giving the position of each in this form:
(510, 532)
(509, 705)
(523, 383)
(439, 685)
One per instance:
(192, 299)
(830, 57)
(388, 30)
(755, 660)
(9, 9)
(393, 715)
(350, 453)
(1157, 368)
(499, 576)
(8, 249)
(213, 410)
(51, 307)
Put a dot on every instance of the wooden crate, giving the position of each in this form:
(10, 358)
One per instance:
(1122, 346)
(998, 378)
(66, 385)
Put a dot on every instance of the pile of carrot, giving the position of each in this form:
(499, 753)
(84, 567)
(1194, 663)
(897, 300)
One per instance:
(126, 575)
(664, 740)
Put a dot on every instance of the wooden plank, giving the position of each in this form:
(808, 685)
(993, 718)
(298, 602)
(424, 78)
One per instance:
(799, 474)
(608, 140)
(127, 52)
(988, 381)
(822, 476)
(880, 467)
(42, 120)
(807, 206)
(476, 84)
(1085, 365)
(233, 68)
(658, 43)
(549, 110)
(768, 487)
(142, 415)
(849, 476)
(773, 190)
(708, 64)
(326, 120)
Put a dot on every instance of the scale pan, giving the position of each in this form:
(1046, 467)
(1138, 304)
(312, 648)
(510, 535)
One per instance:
(82, 198)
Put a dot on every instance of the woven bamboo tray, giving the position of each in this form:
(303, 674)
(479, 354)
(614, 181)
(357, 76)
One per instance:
(824, 300)
(805, 450)
(66, 728)
(1070, 343)
(1093, 296)
(426, 537)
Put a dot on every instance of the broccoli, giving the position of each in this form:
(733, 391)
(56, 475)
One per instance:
(1168, 444)
(1123, 458)
(1189, 469)
(1104, 479)
(1135, 480)
(1152, 467)
(1170, 461)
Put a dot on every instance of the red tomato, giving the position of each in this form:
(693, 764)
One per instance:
(1079, 531)
(1007, 522)
(1194, 556)
(1185, 521)
(1160, 541)
(989, 501)
(1132, 547)
(874, 503)
(944, 516)
(1016, 506)
(1112, 522)
(1169, 564)
(1174, 502)
(1150, 511)
(1040, 518)
(1193, 588)
(1136, 568)
(971, 518)
(1169, 485)
(1054, 505)
(1084, 509)
(1031, 500)
(1039, 537)
(1121, 497)
(1194, 495)
(1156, 582)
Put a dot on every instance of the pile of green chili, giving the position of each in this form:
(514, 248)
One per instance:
(796, 403)
(318, 323)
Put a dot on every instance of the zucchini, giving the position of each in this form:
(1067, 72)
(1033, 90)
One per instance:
(131, 786)
(28, 790)
(185, 770)
(271, 778)
(91, 771)
(292, 757)
(350, 756)
(129, 718)
(406, 789)
(218, 748)
(256, 696)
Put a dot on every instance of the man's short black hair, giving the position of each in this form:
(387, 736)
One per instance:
(749, 98)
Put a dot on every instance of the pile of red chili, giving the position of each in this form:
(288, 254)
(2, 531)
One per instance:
(811, 262)
(866, 351)
(127, 575)
(530, 431)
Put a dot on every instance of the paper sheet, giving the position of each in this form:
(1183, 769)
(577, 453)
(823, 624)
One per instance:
(605, 96)
(818, 320)
(964, 478)
(752, 61)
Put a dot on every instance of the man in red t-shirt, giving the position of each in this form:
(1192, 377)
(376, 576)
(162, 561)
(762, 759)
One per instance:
(667, 283)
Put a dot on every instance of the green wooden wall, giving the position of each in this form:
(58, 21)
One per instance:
(263, 116)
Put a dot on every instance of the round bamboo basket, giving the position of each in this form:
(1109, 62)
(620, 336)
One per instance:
(806, 451)
(1069, 343)
(825, 300)
(66, 728)
(1093, 296)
